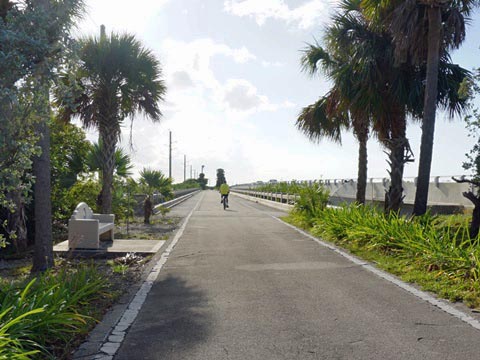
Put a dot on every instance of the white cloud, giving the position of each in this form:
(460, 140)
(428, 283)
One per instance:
(241, 95)
(194, 59)
(306, 15)
(180, 80)
(268, 64)
(188, 64)
(241, 55)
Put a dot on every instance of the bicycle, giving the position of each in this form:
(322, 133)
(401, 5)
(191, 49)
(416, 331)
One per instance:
(225, 202)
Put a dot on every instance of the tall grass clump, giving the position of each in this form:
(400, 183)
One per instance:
(40, 319)
(312, 201)
(445, 249)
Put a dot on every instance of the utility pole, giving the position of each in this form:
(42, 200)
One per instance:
(184, 168)
(191, 177)
(170, 156)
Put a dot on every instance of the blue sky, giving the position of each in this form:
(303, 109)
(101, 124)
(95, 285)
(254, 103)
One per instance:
(235, 88)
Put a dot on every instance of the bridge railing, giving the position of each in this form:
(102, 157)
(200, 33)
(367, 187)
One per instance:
(443, 191)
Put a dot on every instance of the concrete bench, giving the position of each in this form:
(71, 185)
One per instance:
(86, 229)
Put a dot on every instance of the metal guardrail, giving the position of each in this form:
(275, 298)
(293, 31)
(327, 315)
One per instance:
(171, 203)
(275, 197)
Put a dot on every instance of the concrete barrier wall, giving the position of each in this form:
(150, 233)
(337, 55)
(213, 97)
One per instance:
(439, 194)
(443, 197)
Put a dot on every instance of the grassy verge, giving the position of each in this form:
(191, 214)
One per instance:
(433, 252)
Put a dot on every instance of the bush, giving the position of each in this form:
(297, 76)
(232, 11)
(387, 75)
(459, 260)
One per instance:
(85, 190)
(189, 184)
(39, 319)
(311, 202)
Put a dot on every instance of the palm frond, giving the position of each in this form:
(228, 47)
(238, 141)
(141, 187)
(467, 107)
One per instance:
(117, 78)
(312, 56)
(322, 120)
(123, 162)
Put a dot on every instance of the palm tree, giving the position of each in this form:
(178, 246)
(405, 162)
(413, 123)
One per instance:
(423, 31)
(356, 65)
(377, 89)
(116, 79)
(154, 180)
(123, 163)
(326, 119)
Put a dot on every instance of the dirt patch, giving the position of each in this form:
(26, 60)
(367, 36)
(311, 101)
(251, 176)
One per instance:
(158, 229)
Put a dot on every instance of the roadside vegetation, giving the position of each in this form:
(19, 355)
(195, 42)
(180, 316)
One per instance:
(45, 317)
(435, 252)
(187, 184)
(292, 187)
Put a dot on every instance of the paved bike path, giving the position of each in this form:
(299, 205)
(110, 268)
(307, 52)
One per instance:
(241, 285)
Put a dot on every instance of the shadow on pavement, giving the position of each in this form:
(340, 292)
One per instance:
(173, 319)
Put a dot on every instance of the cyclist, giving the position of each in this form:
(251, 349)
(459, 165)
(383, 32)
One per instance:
(224, 191)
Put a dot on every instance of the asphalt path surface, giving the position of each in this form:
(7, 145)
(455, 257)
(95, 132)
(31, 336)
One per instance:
(239, 284)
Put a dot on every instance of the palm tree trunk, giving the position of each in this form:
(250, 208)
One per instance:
(362, 166)
(109, 139)
(429, 109)
(475, 222)
(399, 155)
(43, 254)
(394, 196)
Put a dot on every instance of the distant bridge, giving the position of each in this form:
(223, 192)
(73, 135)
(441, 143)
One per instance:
(444, 195)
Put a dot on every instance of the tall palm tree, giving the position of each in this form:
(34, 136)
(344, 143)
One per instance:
(116, 79)
(378, 89)
(423, 31)
(361, 76)
(326, 119)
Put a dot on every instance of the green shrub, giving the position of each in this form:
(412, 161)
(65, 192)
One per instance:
(10, 347)
(188, 184)
(311, 203)
(85, 190)
(46, 313)
(292, 187)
